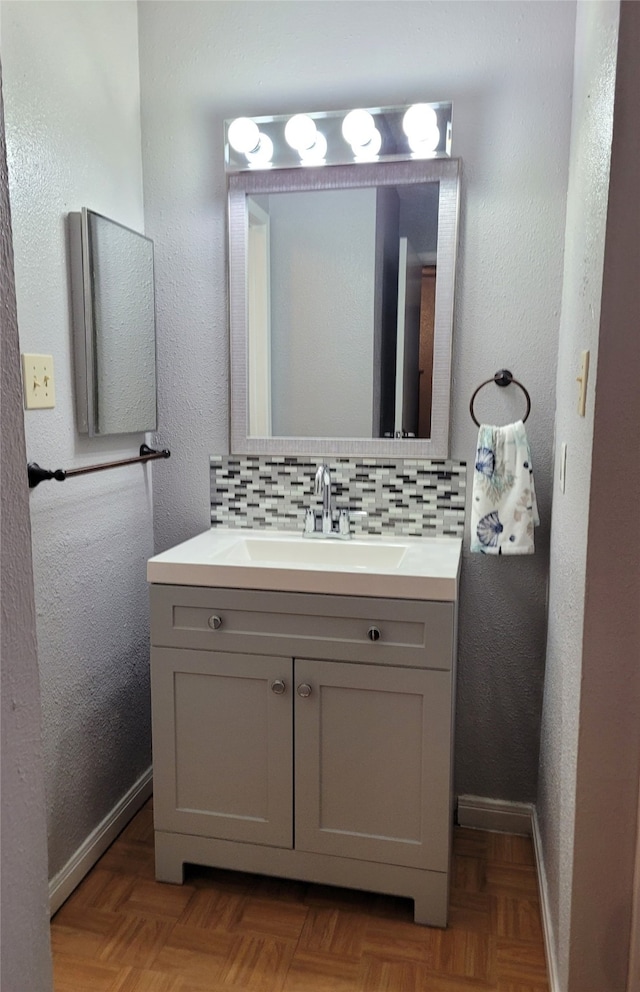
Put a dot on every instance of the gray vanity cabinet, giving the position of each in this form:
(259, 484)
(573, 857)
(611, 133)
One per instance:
(305, 736)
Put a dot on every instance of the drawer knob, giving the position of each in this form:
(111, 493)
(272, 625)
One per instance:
(373, 634)
(215, 622)
(278, 687)
(304, 690)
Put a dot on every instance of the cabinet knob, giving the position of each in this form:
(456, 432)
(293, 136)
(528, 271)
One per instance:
(215, 622)
(304, 690)
(278, 687)
(373, 634)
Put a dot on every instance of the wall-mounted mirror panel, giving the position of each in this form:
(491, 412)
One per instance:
(114, 326)
(341, 288)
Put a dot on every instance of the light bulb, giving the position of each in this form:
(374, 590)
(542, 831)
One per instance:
(243, 135)
(419, 121)
(317, 153)
(358, 127)
(369, 149)
(426, 145)
(261, 156)
(300, 132)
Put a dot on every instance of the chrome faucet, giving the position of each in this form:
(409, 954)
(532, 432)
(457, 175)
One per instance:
(328, 522)
(323, 486)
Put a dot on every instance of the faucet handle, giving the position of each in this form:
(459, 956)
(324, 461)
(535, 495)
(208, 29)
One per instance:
(344, 520)
(309, 522)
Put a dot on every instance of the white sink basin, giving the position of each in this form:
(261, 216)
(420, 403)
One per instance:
(316, 551)
(396, 567)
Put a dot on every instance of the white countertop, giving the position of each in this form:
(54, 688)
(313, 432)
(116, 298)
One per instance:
(395, 566)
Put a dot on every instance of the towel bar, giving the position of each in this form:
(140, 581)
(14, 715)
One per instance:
(502, 378)
(38, 475)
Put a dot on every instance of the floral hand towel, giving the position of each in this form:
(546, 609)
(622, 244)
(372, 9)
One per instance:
(503, 500)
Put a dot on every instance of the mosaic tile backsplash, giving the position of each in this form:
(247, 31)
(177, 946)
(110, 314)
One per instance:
(401, 496)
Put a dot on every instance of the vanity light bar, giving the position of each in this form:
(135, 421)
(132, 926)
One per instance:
(338, 137)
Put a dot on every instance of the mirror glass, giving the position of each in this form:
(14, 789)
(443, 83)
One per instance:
(341, 308)
(114, 318)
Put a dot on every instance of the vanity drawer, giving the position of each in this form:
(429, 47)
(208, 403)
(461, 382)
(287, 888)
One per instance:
(411, 633)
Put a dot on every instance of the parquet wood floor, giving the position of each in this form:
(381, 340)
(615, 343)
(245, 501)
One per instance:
(121, 931)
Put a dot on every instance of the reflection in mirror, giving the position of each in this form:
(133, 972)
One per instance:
(357, 361)
(341, 308)
(114, 326)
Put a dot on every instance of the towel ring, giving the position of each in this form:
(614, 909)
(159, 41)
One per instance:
(502, 378)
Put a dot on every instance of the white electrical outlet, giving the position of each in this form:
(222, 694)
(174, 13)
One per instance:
(38, 382)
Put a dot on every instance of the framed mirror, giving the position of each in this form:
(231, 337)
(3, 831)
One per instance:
(114, 326)
(341, 308)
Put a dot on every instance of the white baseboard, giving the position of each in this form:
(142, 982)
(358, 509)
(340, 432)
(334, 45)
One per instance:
(62, 885)
(516, 818)
(495, 814)
(545, 909)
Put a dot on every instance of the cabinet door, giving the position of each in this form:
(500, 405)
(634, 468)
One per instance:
(373, 755)
(222, 745)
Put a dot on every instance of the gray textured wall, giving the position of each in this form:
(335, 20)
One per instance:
(73, 140)
(596, 38)
(508, 69)
(26, 960)
(590, 747)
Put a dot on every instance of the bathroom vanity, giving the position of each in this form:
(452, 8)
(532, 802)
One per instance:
(302, 700)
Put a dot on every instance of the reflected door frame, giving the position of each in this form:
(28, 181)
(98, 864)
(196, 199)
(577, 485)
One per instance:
(259, 321)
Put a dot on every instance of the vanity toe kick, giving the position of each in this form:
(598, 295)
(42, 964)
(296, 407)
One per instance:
(428, 889)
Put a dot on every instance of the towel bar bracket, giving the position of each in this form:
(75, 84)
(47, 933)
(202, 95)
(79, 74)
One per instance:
(503, 378)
